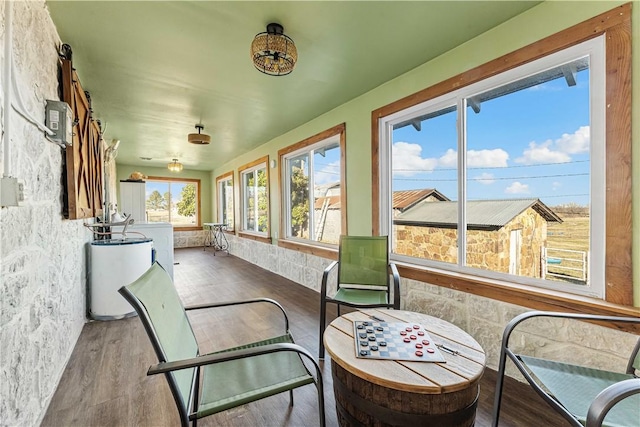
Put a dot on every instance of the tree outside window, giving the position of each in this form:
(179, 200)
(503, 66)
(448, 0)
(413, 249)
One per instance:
(255, 198)
(174, 201)
(312, 182)
(224, 185)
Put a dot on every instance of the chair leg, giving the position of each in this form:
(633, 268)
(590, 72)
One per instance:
(323, 320)
(499, 387)
(320, 388)
(290, 397)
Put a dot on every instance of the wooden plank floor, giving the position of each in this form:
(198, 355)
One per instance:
(104, 383)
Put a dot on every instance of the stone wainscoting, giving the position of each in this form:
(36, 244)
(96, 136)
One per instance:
(483, 318)
(43, 265)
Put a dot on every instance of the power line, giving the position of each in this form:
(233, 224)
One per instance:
(491, 167)
(555, 196)
(491, 179)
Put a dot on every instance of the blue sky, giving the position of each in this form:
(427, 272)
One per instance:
(533, 143)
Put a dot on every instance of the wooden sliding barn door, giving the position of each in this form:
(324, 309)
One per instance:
(83, 198)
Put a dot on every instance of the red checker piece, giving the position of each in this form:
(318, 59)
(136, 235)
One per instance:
(419, 353)
(413, 337)
(425, 342)
(421, 333)
(406, 339)
(416, 326)
(418, 345)
(408, 329)
(403, 332)
(430, 350)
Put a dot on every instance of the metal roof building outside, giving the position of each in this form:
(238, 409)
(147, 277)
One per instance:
(485, 214)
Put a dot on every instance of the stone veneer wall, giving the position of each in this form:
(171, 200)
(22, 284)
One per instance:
(188, 239)
(483, 318)
(489, 250)
(43, 261)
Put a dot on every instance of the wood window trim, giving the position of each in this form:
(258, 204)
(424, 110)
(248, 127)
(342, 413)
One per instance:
(309, 247)
(250, 236)
(616, 26)
(224, 177)
(245, 233)
(199, 202)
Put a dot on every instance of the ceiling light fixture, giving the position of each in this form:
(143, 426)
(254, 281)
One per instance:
(175, 166)
(274, 53)
(199, 138)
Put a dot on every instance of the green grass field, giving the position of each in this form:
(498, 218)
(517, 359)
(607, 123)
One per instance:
(572, 234)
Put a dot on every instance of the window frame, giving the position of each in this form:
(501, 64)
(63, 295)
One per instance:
(198, 183)
(229, 176)
(594, 49)
(242, 171)
(616, 26)
(308, 245)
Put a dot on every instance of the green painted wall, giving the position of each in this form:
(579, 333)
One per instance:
(531, 26)
(123, 172)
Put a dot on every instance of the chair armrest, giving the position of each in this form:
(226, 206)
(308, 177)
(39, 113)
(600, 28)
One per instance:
(241, 302)
(325, 276)
(608, 398)
(578, 316)
(165, 367)
(396, 286)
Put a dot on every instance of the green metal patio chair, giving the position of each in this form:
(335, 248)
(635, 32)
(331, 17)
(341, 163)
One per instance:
(203, 385)
(363, 278)
(583, 396)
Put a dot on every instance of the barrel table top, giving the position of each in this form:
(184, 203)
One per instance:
(458, 372)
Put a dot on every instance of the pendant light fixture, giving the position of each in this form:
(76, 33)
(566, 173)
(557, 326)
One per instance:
(199, 138)
(274, 53)
(175, 166)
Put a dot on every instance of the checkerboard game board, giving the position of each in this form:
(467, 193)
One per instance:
(394, 341)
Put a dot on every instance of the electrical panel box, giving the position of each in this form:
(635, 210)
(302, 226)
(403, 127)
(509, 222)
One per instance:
(60, 120)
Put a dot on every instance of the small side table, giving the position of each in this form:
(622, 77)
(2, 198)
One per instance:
(214, 237)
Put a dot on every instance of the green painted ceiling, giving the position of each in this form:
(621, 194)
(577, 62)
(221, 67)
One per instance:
(156, 68)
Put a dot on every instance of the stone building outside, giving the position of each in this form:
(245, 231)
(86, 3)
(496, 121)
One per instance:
(504, 236)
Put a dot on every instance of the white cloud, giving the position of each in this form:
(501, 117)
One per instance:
(557, 151)
(544, 87)
(577, 142)
(408, 161)
(329, 173)
(542, 154)
(556, 185)
(517, 188)
(485, 178)
(449, 159)
(496, 158)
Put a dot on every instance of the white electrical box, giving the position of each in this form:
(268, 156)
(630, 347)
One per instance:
(59, 119)
(9, 191)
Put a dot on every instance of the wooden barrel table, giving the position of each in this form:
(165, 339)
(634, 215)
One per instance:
(374, 392)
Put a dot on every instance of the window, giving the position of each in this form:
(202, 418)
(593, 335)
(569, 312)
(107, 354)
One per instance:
(255, 198)
(501, 172)
(312, 187)
(224, 184)
(173, 200)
